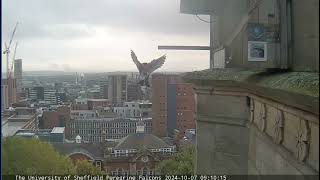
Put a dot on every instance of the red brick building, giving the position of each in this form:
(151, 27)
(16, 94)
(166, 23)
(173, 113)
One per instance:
(137, 154)
(92, 152)
(57, 118)
(172, 105)
(185, 107)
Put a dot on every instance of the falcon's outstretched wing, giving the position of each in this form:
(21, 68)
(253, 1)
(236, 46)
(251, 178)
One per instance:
(135, 60)
(155, 64)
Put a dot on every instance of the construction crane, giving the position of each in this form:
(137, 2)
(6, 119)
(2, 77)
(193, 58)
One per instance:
(13, 59)
(11, 94)
(7, 52)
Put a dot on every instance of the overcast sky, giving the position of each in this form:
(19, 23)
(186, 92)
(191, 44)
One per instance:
(97, 35)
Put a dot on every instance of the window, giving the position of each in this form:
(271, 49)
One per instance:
(145, 171)
(98, 165)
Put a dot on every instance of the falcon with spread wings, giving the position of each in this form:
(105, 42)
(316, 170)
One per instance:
(145, 69)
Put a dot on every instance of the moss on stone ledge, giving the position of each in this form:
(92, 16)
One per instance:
(220, 74)
(299, 82)
(306, 83)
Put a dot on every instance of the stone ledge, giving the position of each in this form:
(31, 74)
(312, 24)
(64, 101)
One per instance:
(222, 120)
(297, 89)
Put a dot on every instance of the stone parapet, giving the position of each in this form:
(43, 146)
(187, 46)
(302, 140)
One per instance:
(248, 123)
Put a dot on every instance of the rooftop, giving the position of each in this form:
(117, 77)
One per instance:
(10, 128)
(58, 130)
(93, 149)
(24, 117)
(140, 140)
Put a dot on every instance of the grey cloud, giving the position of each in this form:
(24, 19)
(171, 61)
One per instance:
(66, 67)
(157, 16)
(51, 31)
(57, 66)
(53, 66)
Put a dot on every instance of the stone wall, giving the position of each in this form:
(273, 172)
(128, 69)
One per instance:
(239, 132)
(283, 140)
(222, 135)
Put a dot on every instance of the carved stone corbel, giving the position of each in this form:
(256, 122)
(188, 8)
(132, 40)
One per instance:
(302, 140)
(262, 117)
(278, 127)
(251, 110)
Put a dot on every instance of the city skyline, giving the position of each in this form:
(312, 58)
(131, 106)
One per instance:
(60, 36)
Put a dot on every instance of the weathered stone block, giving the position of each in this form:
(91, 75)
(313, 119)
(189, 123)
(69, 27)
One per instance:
(221, 105)
(290, 131)
(313, 158)
(205, 148)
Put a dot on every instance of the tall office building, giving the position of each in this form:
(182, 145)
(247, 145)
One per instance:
(50, 96)
(172, 105)
(36, 93)
(133, 91)
(9, 92)
(18, 76)
(117, 88)
(103, 88)
(180, 108)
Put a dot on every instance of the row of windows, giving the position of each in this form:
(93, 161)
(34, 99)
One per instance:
(86, 131)
(85, 125)
(119, 173)
(145, 172)
(122, 131)
(116, 136)
(125, 110)
(125, 153)
(166, 150)
(83, 114)
(162, 150)
(98, 131)
(92, 138)
(184, 108)
(182, 120)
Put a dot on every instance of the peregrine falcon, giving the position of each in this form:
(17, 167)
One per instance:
(145, 69)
